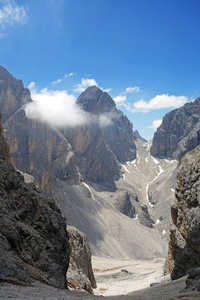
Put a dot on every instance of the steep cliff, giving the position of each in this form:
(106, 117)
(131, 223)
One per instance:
(105, 141)
(36, 148)
(115, 128)
(179, 132)
(33, 239)
(184, 243)
(13, 95)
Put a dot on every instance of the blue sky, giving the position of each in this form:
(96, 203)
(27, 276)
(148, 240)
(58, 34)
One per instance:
(145, 53)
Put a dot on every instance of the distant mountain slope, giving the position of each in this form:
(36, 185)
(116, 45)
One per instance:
(179, 132)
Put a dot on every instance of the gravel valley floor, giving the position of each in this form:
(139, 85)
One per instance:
(126, 280)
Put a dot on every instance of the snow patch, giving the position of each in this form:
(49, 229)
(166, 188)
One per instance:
(87, 186)
(157, 221)
(163, 232)
(173, 190)
(125, 168)
(136, 217)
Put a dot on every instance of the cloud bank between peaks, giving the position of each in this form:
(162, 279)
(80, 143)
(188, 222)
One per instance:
(58, 108)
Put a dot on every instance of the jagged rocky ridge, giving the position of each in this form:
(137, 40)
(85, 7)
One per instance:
(184, 243)
(33, 237)
(179, 132)
(92, 151)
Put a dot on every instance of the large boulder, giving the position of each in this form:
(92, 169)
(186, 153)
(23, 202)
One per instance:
(80, 274)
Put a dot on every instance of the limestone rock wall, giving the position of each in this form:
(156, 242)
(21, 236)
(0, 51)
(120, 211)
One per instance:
(184, 243)
(179, 132)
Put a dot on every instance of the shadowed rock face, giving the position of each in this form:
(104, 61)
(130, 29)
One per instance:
(179, 132)
(33, 239)
(107, 140)
(184, 243)
(119, 134)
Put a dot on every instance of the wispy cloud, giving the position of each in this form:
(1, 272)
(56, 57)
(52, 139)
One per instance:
(155, 124)
(107, 90)
(85, 83)
(68, 75)
(132, 89)
(120, 99)
(56, 81)
(159, 102)
(123, 96)
(11, 13)
(31, 85)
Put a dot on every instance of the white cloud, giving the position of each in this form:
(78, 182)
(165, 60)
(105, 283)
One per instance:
(132, 89)
(56, 81)
(122, 97)
(107, 90)
(85, 83)
(59, 109)
(31, 85)
(158, 102)
(56, 108)
(119, 99)
(11, 13)
(68, 75)
(155, 124)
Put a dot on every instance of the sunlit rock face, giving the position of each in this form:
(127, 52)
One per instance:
(179, 132)
(184, 243)
(33, 237)
(13, 95)
(80, 274)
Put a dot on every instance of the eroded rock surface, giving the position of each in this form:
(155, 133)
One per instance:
(179, 132)
(80, 274)
(33, 239)
(184, 244)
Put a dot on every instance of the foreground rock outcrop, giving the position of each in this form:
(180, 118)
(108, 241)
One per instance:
(184, 243)
(179, 132)
(33, 237)
(80, 274)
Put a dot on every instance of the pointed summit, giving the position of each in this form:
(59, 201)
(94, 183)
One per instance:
(96, 101)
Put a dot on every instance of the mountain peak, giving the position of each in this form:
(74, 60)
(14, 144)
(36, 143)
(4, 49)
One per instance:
(94, 100)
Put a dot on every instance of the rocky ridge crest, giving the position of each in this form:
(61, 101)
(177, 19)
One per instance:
(179, 132)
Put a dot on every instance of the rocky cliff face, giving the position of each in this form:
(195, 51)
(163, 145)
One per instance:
(179, 132)
(107, 140)
(93, 150)
(13, 95)
(33, 239)
(184, 243)
(115, 128)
